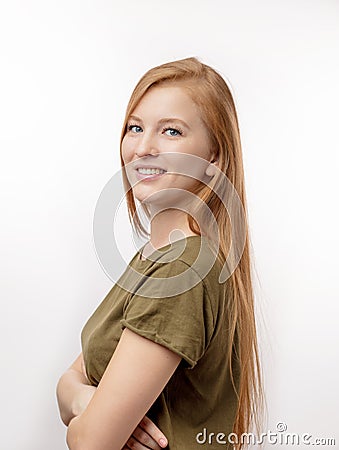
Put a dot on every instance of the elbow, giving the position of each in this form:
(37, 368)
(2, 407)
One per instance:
(65, 419)
(78, 438)
(83, 444)
(63, 412)
(75, 437)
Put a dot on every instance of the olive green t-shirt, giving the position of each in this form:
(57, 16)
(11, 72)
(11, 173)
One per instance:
(175, 299)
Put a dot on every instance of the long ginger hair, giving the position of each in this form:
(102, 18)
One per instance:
(209, 91)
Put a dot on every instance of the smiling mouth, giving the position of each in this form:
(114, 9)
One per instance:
(150, 171)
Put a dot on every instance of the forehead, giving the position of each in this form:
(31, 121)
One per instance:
(167, 101)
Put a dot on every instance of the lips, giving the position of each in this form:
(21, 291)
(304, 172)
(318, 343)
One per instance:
(151, 171)
(145, 166)
(148, 175)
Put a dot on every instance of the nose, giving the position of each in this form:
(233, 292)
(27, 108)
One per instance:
(145, 146)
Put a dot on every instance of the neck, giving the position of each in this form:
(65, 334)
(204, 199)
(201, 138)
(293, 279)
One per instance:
(166, 222)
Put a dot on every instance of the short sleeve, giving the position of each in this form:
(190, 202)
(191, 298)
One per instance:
(184, 322)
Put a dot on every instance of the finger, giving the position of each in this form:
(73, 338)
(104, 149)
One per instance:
(145, 439)
(134, 444)
(150, 428)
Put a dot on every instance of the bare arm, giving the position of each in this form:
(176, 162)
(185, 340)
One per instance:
(74, 394)
(73, 391)
(135, 376)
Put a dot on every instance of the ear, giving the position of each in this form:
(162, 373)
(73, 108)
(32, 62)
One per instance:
(211, 169)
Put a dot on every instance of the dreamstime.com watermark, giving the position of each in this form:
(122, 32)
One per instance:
(278, 437)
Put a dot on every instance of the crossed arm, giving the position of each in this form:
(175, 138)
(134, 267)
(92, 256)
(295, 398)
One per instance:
(135, 376)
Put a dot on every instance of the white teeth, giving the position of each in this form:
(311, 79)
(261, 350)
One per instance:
(150, 171)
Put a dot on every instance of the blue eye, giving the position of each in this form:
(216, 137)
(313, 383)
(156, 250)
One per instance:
(134, 128)
(173, 132)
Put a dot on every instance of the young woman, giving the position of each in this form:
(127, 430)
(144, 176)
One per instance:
(173, 354)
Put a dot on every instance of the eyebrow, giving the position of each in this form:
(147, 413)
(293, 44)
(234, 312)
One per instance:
(164, 120)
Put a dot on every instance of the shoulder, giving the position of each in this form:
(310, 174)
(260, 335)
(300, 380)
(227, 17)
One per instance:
(196, 253)
(179, 267)
(193, 251)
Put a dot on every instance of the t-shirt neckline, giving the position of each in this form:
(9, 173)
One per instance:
(157, 252)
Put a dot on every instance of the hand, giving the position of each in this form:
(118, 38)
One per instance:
(146, 436)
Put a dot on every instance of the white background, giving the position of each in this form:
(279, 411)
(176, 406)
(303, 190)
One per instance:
(67, 70)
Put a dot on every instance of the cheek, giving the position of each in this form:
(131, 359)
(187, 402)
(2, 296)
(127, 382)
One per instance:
(183, 182)
(197, 146)
(126, 150)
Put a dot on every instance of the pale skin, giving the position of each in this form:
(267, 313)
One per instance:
(84, 408)
(113, 415)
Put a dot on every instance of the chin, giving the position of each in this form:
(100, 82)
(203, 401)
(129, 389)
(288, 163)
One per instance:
(142, 195)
